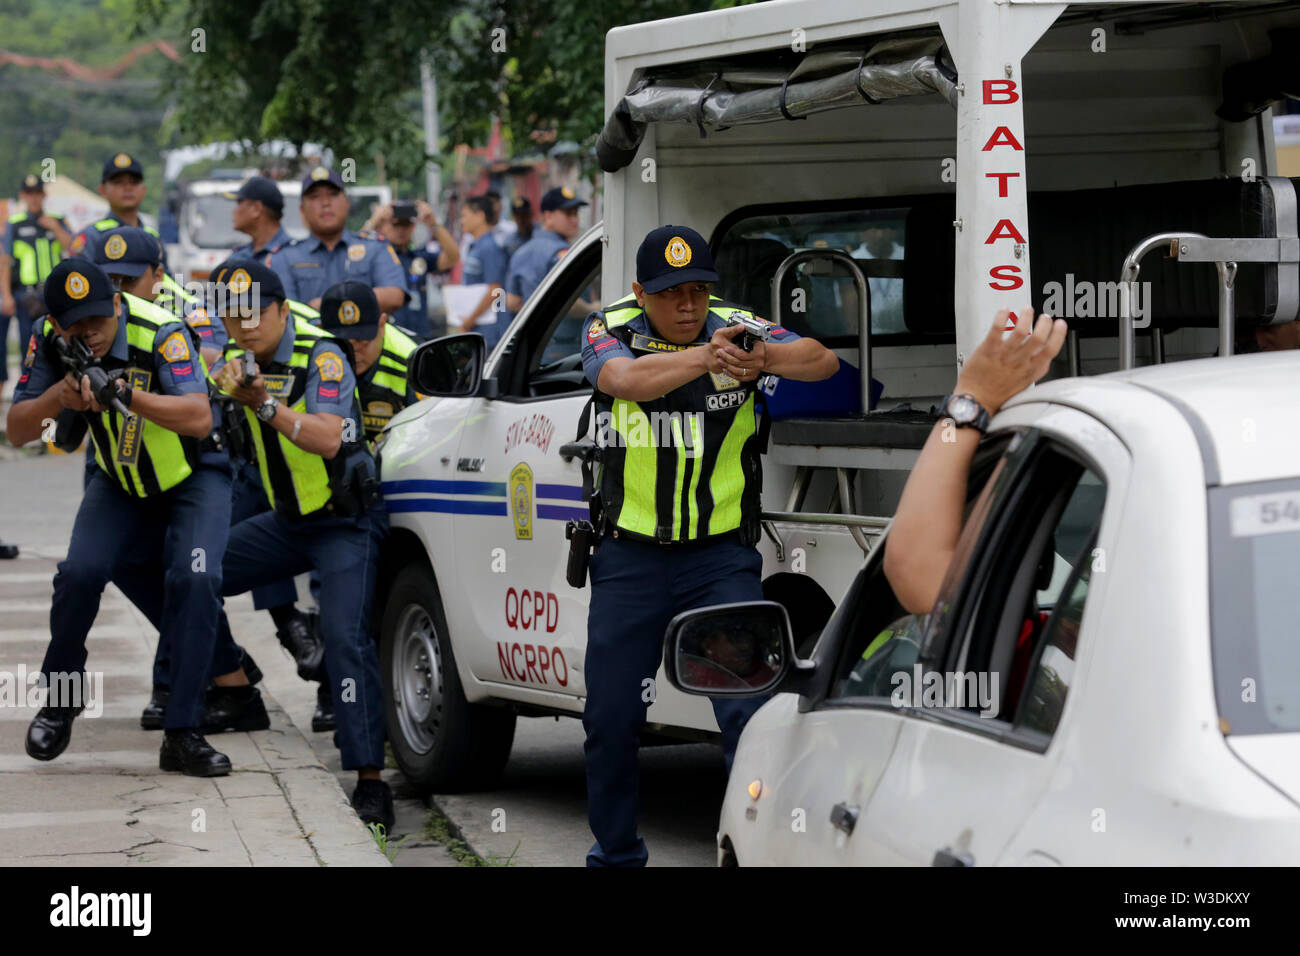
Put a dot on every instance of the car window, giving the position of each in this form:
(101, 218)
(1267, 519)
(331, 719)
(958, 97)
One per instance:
(818, 298)
(556, 365)
(1021, 618)
(884, 640)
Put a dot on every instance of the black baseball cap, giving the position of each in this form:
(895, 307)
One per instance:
(520, 204)
(404, 212)
(350, 310)
(32, 184)
(121, 163)
(128, 251)
(321, 175)
(671, 255)
(262, 190)
(76, 289)
(244, 286)
(561, 197)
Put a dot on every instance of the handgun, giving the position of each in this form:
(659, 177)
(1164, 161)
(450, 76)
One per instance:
(755, 330)
(250, 371)
(80, 361)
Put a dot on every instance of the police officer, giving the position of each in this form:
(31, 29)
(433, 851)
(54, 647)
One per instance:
(681, 509)
(320, 478)
(486, 263)
(538, 256)
(332, 253)
(160, 490)
(34, 244)
(396, 223)
(122, 184)
(259, 207)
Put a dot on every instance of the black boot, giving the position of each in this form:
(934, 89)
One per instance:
(187, 751)
(251, 670)
(50, 731)
(234, 708)
(323, 719)
(298, 636)
(373, 801)
(9, 550)
(151, 718)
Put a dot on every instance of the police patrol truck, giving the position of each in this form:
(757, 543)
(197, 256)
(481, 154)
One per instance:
(883, 177)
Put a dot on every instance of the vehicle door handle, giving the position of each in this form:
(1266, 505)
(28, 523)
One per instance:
(844, 817)
(948, 857)
(585, 449)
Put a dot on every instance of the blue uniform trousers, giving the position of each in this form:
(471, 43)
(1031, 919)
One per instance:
(636, 589)
(345, 552)
(181, 535)
(24, 334)
(247, 499)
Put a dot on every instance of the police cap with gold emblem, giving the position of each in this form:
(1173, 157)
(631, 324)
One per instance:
(350, 310)
(244, 285)
(121, 163)
(561, 197)
(77, 289)
(321, 175)
(32, 184)
(128, 251)
(671, 255)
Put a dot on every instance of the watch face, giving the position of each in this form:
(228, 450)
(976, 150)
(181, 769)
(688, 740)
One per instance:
(962, 409)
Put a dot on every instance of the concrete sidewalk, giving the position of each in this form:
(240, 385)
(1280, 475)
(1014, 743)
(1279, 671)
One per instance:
(104, 802)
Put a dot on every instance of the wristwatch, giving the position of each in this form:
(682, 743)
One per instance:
(266, 409)
(965, 412)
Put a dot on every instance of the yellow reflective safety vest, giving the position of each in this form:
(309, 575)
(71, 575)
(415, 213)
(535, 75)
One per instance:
(298, 483)
(383, 389)
(143, 457)
(36, 251)
(685, 466)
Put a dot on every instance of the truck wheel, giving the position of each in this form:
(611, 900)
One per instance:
(442, 742)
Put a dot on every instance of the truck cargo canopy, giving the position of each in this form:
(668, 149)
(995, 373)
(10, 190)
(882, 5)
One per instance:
(737, 95)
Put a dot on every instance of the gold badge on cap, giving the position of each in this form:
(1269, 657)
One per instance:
(566, 192)
(76, 285)
(239, 282)
(349, 314)
(31, 180)
(121, 160)
(319, 173)
(357, 251)
(115, 248)
(678, 252)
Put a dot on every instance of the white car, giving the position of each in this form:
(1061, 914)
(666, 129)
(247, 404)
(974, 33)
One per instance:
(1122, 615)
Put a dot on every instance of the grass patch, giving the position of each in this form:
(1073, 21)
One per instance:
(439, 829)
(386, 846)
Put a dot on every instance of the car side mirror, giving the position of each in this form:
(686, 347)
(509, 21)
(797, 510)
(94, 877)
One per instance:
(449, 367)
(730, 650)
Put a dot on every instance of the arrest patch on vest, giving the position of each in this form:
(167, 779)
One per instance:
(647, 344)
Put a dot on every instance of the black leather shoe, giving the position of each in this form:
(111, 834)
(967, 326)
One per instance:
(300, 639)
(234, 708)
(9, 551)
(151, 718)
(323, 719)
(50, 731)
(188, 752)
(373, 801)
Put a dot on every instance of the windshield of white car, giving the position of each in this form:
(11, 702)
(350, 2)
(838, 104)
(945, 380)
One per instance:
(1255, 605)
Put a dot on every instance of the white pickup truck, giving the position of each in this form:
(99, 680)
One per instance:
(881, 177)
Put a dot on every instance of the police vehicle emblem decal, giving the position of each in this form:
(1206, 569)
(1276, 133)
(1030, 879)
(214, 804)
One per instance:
(121, 160)
(115, 248)
(76, 285)
(330, 366)
(678, 252)
(239, 282)
(521, 500)
(418, 266)
(349, 314)
(175, 348)
(357, 251)
(319, 173)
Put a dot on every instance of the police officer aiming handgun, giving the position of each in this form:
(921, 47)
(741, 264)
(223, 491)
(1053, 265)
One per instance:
(679, 507)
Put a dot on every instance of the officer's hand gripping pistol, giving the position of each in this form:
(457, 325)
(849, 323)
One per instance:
(756, 330)
(81, 362)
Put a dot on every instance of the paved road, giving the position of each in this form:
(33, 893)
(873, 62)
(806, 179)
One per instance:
(543, 791)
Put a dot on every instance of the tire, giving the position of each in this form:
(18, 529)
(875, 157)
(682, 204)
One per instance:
(442, 743)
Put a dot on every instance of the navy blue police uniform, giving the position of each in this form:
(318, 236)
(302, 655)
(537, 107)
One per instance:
(263, 190)
(681, 520)
(34, 251)
(156, 498)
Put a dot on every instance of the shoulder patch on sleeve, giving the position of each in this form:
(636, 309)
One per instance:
(330, 366)
(392, 252)
(30, 358)
(596, 329)
(79, 243)
(174, 348)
